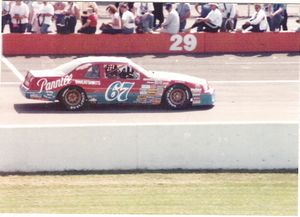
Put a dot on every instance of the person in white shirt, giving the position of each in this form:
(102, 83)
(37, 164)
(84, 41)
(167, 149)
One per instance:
(258, 21)
(19, 13)
(171, 23)
(127, 20)
(45, 17)
(114, 26)
(34, 8)
(229, 14)
(211, 23)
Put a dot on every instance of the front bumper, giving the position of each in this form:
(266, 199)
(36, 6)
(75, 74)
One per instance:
(207, 98)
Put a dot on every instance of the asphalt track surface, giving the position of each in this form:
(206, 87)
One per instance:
(249, 88)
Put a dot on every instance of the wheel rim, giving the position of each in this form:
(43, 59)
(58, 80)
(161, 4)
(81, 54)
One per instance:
(178, 97)
(73, 97)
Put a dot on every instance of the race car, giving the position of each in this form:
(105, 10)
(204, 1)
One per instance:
(114, 80)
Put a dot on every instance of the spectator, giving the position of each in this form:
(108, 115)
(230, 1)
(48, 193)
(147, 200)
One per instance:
(127, 20)
(258, 21)
(205, 9)
(91, 23)
(184, 12)
(144, 18)
(6, 19)
(113, 27)
(72, 13)
(19, 17)
(84, 8)
(34, 8)
(59, 16)
(229, 16)
(284, 20)
(276, 16)
(158, 14)
(298, 21)
(171, 23)
(45, 17)
(212, 22)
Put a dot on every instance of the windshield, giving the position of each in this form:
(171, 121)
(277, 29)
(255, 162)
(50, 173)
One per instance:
(140, 69)
(67, 67)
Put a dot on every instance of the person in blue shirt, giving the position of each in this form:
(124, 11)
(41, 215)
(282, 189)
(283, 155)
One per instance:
(276, 16)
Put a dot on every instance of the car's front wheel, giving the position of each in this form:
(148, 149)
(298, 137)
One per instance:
(73, 98)
(177, 97)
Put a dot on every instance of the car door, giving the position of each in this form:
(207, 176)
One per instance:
(121, 83)
(87, 76)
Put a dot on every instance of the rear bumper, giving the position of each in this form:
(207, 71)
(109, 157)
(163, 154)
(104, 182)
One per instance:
(44, 95)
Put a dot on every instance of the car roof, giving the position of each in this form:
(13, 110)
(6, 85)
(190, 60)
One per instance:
(107, 59)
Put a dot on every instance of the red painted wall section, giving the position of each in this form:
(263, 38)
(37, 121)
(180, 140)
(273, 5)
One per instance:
(103, 44)
(252, 42)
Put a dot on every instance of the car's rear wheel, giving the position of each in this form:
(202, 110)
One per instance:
(177, 97)
(73, 98)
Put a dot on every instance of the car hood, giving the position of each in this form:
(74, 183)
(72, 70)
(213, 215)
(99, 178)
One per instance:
(171, 76)
(46, 73)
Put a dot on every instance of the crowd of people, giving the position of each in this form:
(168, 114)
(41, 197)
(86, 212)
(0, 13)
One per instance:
(142, 17)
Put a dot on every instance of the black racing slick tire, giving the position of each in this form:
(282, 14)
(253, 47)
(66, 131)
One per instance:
(177, 97)
(73, 99)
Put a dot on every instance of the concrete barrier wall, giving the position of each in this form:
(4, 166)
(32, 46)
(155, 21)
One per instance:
(127, 147)
(103, 44)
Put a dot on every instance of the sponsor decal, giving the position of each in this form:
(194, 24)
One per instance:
(46, 85)
(152, 91)
(145, 86)
(143, 92)
(88, 82)
(118, 91)
(35, 95)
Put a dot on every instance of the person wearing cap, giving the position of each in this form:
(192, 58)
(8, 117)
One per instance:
(171, 23)
(211, 23)
(91, 23)
(258, 21)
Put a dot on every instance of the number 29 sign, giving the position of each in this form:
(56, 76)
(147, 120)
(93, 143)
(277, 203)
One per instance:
(183, 42)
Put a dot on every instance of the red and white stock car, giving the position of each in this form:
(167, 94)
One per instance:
(114, 80)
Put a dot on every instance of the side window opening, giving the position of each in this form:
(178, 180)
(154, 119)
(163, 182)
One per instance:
(93, 72)
(120, 71)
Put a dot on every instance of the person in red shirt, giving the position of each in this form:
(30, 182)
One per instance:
(91, 25)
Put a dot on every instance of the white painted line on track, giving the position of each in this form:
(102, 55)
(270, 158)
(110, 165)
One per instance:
(255, 82)
(13, 68)
(9, 83)
(262, 63)
(14, 126)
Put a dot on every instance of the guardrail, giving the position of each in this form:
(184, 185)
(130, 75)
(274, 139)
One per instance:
(103, 44)
(149, 146)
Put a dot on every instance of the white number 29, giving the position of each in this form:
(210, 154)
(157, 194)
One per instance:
(189, 42)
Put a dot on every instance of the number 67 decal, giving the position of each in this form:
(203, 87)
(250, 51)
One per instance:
(189, 42)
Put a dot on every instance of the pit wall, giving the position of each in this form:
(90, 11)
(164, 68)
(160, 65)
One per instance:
(104, 44)
(149, 146)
